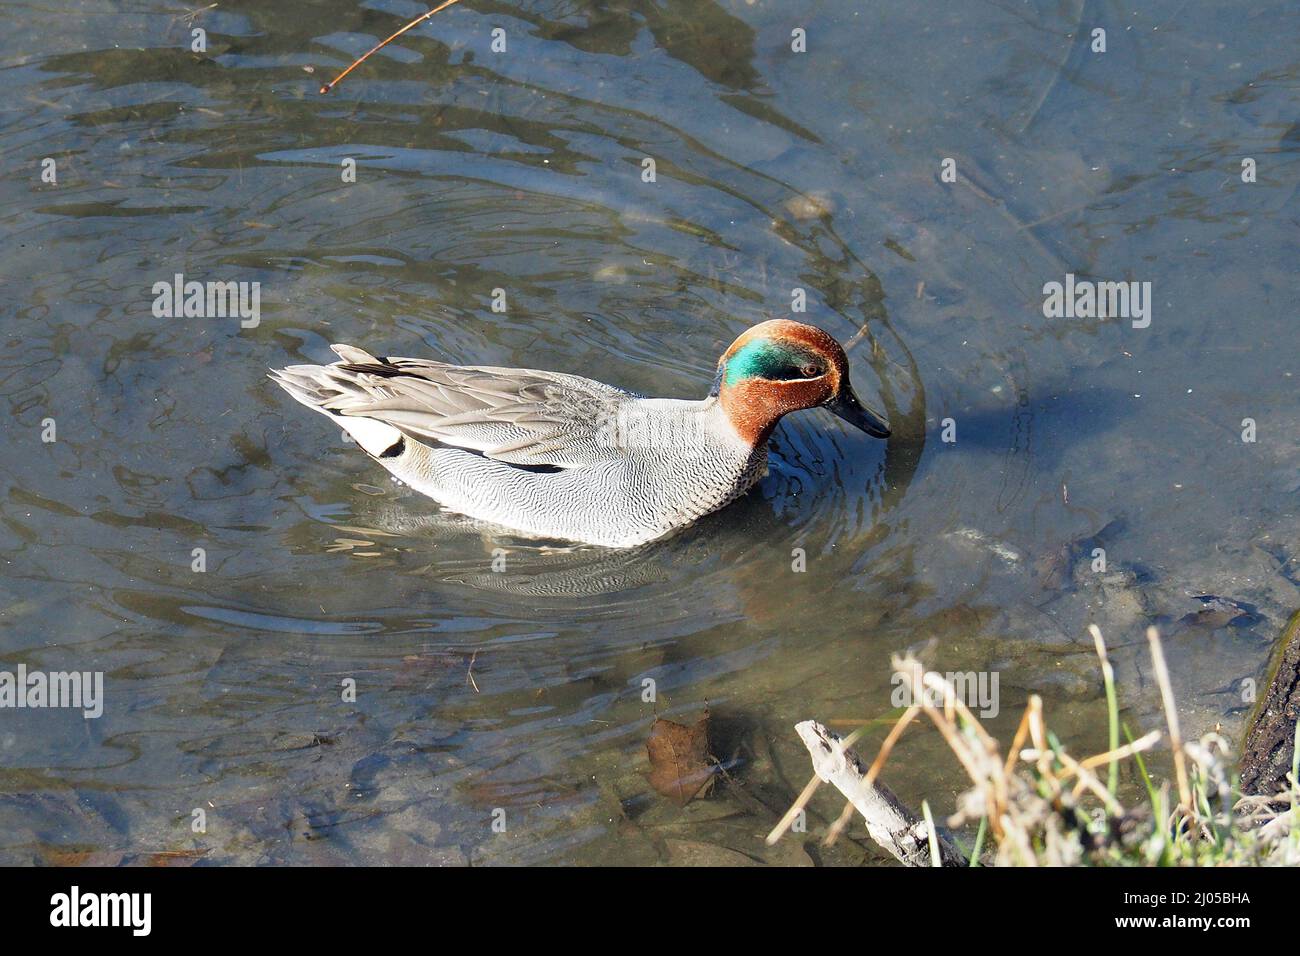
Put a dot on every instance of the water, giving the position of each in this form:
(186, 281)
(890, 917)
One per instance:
(517, 696)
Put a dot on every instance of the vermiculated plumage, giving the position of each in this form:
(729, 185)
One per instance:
(549, 454)
(561, 456)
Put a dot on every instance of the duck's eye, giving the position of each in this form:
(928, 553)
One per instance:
(811, 371)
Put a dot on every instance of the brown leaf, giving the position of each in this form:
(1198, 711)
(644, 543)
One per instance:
(170, 858)
(680, 764)
(61, 856)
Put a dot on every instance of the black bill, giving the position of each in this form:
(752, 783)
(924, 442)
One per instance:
(847, 407)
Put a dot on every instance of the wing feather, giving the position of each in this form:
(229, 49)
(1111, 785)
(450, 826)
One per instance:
(521, 416)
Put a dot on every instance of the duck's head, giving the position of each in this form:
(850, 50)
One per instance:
(782, 366)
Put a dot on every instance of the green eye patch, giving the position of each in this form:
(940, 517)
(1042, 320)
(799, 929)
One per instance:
(774, 361)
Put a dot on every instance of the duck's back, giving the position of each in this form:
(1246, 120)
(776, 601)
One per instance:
(665, 465)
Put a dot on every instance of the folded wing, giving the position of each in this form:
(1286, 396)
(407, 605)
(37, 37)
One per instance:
(520, 416)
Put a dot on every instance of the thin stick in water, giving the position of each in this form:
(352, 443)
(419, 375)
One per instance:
(800, 802)
(379, 46)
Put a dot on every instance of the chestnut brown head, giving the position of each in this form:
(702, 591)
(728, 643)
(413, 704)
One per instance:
(782, 366)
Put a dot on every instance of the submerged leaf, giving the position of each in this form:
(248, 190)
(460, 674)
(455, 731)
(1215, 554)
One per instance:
(680, 764)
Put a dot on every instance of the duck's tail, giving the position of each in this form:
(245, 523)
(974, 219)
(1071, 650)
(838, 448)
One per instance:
(328, 388)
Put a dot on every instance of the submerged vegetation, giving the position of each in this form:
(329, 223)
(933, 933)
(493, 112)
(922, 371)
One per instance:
(1037, 805)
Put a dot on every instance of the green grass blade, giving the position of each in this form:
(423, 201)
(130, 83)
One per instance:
(979, 841)
(1142, 769)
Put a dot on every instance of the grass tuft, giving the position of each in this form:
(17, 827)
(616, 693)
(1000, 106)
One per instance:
(1037, 805)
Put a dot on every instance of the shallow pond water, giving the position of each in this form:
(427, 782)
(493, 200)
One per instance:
(516, 695)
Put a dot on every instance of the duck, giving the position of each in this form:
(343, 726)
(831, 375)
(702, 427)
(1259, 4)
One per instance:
(557, 456)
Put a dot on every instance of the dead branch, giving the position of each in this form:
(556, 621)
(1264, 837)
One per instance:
(891, 824)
